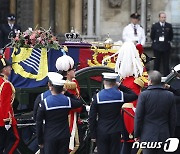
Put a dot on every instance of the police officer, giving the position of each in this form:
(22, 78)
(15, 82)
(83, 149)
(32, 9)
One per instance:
(105, 118)
(54, 110)
(9, 138)
(9, 29)
(133, 31)
(161, 35)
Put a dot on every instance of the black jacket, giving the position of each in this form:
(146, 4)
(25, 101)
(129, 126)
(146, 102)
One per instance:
(157, 31)
(56, 118)
(155, 117)
(109, 118)
(6, 32)
(175, 88)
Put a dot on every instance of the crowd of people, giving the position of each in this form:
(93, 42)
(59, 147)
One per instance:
(134, 106)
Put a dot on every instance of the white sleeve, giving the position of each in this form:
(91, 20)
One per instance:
(125, 34)
(143, 37)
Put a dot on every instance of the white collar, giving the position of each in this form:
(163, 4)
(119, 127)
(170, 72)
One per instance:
(162, 23)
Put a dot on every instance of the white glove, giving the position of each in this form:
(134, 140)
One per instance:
(7, 127)
(87, 108)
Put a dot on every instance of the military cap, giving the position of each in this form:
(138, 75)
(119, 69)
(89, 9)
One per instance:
(11, 17)
(177, 68)
(135, 16)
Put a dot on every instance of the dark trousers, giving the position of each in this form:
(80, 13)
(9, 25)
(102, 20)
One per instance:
(9, 140)
(177, 135)
(162, 56)
(108, 143)
(154, 151)
(126, 148)
(56, 146)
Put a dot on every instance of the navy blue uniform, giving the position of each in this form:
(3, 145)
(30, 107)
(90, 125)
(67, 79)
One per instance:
(175, 88)
(155, 117)
(54, 110)
(161, 37)
(106, 107)
(7, 33)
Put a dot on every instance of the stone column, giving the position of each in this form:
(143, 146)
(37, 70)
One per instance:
(143, 14)
(78, 16)
(13, 6)
(133, 6)
(98, 15)
(90, 15)
(62, 16)
(52, 15)
(37, 13)
(45, 14)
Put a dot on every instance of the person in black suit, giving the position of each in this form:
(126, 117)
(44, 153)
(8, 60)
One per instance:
(155, 117)
(54, 110)
(9, 30)
(105, 130)
(175, 88)
(162, 35)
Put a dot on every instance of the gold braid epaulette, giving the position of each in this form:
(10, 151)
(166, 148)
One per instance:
(70, 85)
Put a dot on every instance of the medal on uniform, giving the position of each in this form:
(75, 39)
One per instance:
(130, 136)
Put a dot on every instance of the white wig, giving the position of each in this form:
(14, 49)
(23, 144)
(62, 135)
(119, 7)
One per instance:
(128, 61)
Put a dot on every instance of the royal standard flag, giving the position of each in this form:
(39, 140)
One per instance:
(30, 66)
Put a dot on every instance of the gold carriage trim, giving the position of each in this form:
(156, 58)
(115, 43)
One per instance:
(94, 61)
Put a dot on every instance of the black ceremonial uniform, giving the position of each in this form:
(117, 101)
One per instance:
(106, 106)
(7, 31)
(54, 110)
(40, 98)
(161, 37)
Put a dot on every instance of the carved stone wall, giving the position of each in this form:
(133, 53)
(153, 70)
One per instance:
(115, 3)
(4, 10)
(25, 13)
(84, 17)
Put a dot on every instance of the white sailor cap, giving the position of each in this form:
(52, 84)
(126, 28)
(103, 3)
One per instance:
(109, 76)
(177, 68)
(56, 78)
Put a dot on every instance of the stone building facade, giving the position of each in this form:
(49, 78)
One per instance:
(91, 18)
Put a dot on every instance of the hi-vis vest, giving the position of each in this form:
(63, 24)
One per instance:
(112, 95)
(57, 102)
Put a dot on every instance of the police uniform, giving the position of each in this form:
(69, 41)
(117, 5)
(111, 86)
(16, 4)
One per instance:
(106, 106)
(8, 31)
(54, 110)
(9, 139)
(161, 35)
(134, 33)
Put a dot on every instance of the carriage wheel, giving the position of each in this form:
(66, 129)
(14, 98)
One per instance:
(90, 80)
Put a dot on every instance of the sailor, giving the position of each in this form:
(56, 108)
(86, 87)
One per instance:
(65, 66)
(54, 109)
(105, 130)
(134, 32)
